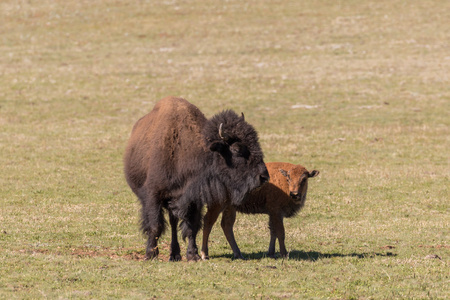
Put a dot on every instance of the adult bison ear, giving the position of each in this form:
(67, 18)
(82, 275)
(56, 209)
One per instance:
(285, 174)
(217, 146)
(313, 173)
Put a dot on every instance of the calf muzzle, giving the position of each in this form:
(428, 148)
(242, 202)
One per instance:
(294, 195)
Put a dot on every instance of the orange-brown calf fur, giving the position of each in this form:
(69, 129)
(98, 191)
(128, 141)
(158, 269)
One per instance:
(283, 196)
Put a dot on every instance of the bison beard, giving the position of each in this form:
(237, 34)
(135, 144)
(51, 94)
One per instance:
(178, 160)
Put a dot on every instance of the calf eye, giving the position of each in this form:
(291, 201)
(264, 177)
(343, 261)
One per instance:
(285, 174)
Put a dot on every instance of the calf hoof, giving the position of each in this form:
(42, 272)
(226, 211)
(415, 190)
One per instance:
(204, 256)
(176, 257)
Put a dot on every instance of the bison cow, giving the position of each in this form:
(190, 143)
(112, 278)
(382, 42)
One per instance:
(282, 197)
(178, 160)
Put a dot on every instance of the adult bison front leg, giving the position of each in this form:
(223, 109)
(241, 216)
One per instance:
(190, 214)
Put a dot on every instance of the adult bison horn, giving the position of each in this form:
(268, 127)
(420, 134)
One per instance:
(223, 135)
(242, 116)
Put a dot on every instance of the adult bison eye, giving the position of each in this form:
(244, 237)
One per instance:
(240, 150)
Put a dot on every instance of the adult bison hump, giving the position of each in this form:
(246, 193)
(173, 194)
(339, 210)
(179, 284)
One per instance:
(178, 160)
(161, 142)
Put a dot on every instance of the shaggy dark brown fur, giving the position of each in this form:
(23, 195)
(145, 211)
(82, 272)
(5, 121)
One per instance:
(282, 197)
(178, 160)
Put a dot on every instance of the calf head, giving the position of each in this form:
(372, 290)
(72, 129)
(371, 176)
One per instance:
(297, 177)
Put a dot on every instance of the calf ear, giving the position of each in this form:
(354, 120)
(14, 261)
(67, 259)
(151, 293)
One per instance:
(285, 174)
(313, 173)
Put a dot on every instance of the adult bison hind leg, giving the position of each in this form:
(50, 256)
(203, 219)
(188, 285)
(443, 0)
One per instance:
(153, 223)
(175, 252)
(153, 235)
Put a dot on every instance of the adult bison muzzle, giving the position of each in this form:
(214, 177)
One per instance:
(178, 160)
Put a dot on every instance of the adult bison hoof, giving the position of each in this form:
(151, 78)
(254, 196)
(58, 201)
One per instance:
(176, 257)
(152, 254)
(193, 257)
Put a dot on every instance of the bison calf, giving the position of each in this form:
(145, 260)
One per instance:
(283, 196)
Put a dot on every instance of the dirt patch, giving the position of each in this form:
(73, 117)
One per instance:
(124, 253)
(435, 246)
(86, 252)
(127, 254)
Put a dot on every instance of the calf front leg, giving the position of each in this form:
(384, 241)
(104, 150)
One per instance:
(228, 220)
(281, 236)
(208, 222)
(271, 252)
(276, 232)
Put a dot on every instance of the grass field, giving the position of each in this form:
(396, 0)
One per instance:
(359, 90)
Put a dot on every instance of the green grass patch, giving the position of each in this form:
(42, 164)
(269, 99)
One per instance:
(359, 91)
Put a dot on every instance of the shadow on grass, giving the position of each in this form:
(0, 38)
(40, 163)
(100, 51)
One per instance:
(314, 255)
(307, 255)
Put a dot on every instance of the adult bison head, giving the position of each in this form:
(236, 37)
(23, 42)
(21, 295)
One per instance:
(237, 162)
